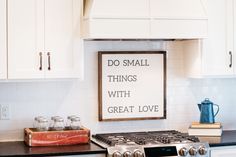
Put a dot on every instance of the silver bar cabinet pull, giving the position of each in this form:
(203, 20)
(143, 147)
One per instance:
(49, 61)
(231, 59)
(40, 61)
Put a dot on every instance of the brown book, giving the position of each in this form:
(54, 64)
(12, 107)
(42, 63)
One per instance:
(198, 125)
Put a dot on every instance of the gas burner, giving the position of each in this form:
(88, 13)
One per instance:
(151, 143)
(143, 138)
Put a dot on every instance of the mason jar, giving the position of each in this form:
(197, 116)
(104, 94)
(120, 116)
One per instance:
(68, 122)
(58, 123)
(35, 125)
(41, 124)
(53, 121)
(75, 123)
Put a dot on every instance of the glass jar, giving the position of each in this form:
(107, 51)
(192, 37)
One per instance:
(53, 121)
(36, 121)
(42, 124)
(75, 123)
(58, 123)
(68, 122)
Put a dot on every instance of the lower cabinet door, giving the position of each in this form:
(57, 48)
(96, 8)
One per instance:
(223, 151)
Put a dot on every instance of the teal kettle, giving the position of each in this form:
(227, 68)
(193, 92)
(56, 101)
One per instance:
(207, 114)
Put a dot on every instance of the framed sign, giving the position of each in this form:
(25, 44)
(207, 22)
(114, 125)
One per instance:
(132, 85)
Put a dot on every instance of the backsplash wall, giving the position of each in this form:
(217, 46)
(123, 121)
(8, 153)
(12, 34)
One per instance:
(28, 99)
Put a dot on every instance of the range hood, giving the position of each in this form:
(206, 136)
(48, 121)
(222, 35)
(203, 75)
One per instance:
(144, 19)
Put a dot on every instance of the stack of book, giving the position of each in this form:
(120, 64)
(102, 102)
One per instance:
(205, 129)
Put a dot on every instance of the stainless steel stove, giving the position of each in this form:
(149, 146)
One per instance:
(169, 143)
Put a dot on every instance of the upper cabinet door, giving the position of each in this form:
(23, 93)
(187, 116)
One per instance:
(3, 50)
(213, 57)
(63, 47)
(25, 39)
(234, 34)
(218, 48)
(44, 39)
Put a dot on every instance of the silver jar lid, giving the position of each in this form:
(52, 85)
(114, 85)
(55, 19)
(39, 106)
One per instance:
(70, 117)
(37, 118)
(42, 120)
(55, 117)
(75, 119)
(58, 119)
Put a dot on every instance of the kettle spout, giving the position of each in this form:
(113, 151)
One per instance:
(199, 106)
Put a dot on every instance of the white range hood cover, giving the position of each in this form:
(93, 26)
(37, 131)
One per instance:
(144, 19)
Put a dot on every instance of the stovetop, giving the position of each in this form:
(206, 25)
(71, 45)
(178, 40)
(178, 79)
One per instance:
(145, 138)
(152, 144)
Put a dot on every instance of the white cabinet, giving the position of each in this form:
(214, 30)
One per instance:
(3, 44)
(62, 38)
(213, 56)
(117, 9)
(112, 19)
(233, 29)
(144, 19)
(44, 39)
(218, 49)
(226, 151)
(185, 19)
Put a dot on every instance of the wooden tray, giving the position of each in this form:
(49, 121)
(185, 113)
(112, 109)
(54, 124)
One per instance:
(53, 138)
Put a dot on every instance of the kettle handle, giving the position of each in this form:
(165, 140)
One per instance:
(217, 109)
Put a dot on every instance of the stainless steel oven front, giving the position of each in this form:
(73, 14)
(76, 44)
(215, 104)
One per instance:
(168, 150)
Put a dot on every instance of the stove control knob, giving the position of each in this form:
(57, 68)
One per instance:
(192, 151)
(183, 151)
(117, 154)
(127, 154)
(202, 150)
(138, 153)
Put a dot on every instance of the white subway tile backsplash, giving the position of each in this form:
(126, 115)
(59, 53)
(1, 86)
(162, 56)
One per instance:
(48, 98)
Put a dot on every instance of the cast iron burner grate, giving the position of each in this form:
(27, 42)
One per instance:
(145, 138)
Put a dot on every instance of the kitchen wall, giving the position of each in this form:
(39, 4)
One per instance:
(28, 99)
